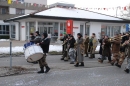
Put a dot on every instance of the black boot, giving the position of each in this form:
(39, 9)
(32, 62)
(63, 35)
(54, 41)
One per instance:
(82, 64)
(127, 70)
(42, 70)
(47, 69)
(76, 65)
(118, 65)
(62, 58)
(86, 55)
(93, 55)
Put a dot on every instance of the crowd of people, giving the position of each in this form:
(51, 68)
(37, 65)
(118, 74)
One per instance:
(116, 49)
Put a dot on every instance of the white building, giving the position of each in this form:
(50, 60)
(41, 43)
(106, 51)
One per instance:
(53, 21)
(21, 7)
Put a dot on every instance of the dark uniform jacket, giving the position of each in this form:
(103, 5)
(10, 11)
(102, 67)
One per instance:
(71, 43)
(100, 50)
(45, 42)
(37, 39)
(32, 38)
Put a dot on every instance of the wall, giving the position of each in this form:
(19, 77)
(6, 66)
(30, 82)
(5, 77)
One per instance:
(95, 27)
(23, 31)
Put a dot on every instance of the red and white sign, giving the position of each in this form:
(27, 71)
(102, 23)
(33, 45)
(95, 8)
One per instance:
(69, 26)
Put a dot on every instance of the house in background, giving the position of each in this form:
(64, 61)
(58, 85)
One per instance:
(17, 8)
(53, 21)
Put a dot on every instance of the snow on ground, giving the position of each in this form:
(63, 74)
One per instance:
(19, 49)
(4, 40)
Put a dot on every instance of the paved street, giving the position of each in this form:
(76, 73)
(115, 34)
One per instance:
(65, 74)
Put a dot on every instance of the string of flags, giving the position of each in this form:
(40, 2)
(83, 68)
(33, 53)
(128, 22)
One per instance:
(47, 6)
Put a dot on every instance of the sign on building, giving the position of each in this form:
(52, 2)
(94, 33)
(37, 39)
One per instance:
(127, 27)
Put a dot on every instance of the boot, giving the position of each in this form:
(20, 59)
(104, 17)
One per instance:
(93, 55)
(76, 65)
(66, 59)
(47, 69)
(118, 65)
(62, 58)
(100, 60)
(42, 70)
(86, 55)
(82, 64)
(127, 70)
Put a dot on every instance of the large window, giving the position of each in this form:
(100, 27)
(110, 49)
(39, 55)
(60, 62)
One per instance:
(20, 11)
(12, 31)
(110, 30)
(62, 28)
(87, 28)
(4, 29)
(82, 29)
(4, 10)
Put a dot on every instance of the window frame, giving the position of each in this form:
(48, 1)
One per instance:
(20, 11)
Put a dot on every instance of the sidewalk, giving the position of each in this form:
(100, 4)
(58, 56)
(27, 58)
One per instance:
(54, 62)
(16, 43)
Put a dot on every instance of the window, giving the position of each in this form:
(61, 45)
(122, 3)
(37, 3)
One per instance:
(87, 28)
(12, 31)
(4, 29)
(82, 29)
(20, 11)
(110, 30)
(20, 0)
(4, 10)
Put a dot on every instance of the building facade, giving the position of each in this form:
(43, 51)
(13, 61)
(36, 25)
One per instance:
(17, 8)
(53, 22)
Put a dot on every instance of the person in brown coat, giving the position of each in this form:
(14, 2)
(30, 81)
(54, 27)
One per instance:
(106, 50)
(116, 49)
(86, 44)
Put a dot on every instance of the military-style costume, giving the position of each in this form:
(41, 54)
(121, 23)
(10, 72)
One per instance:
(72, 53)
(127, 70)
(80, 51)
(93, 44)
(64, 46)
(45, 42)
(100, 50)
(122, 52)
(86, 42)
(116, 50)
(106, 50)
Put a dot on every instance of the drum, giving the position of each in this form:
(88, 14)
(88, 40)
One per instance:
(33, 53)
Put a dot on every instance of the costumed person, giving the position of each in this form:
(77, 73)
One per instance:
(63, 46)
(122, 52)
(36, 40)
(66, 56)
(72, 53)
(127, 44)
(115, 48)
(32, 37)
(45, 42)
(101, 42)
(94, 43)
(86, 42)
(80, 50)
(106, 50)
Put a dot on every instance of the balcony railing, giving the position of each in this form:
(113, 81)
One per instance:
(24, 5)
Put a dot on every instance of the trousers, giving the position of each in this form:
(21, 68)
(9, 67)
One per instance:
(122, 58)
(115, 57)
(72, 54)
(128, 63)
(42, 62)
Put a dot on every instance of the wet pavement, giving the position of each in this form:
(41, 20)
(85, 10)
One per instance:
(65, 74)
